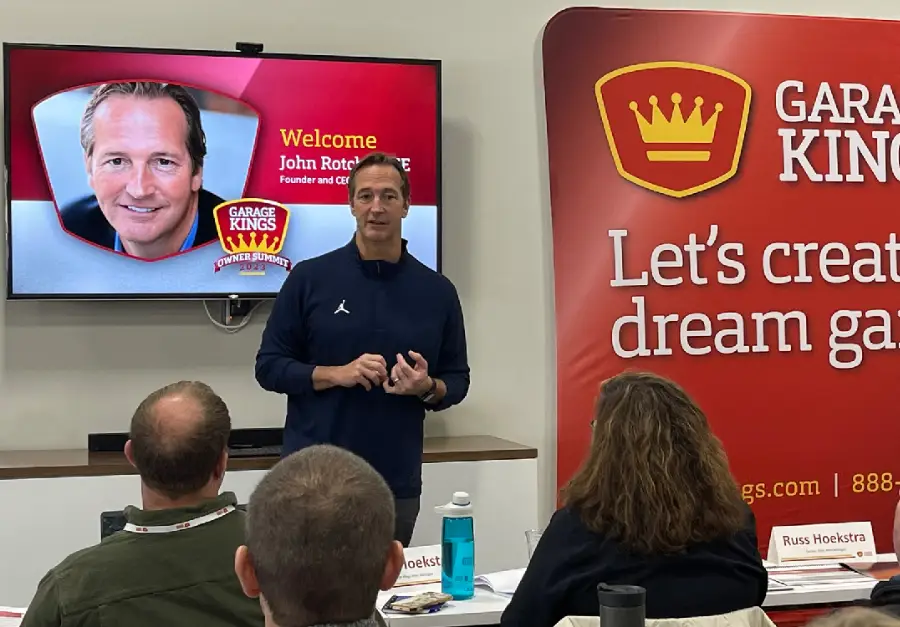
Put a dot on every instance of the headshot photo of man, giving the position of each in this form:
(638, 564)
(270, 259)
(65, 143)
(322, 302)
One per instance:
(144, 148)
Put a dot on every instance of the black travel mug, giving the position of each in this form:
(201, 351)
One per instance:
(622, 606)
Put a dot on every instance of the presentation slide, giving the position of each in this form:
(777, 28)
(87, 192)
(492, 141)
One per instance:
(139, 174)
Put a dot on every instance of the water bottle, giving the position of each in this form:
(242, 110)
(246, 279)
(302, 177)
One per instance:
(457, 547)
(622, 606)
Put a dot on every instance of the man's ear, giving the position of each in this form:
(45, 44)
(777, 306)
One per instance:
(221, 465)
(246, 574)
(129, 453)
(392, 566)
(197, 180)
(89, 170)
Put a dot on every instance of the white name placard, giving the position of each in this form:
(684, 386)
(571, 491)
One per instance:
(835, 542)
(421, 564)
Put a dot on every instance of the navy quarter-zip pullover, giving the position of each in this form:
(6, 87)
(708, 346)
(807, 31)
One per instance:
(336, 307)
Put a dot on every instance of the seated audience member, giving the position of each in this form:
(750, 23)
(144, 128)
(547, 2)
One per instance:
(654, 505)
(320, 541)
(856, 617)
(159, 570)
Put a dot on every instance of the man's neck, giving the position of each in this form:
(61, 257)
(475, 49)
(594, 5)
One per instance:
(154, 501)
(373, 621)
(389, 250)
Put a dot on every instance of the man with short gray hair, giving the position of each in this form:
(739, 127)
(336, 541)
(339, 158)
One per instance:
(320, 541)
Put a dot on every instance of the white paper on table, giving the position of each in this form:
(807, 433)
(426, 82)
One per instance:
(504, 582)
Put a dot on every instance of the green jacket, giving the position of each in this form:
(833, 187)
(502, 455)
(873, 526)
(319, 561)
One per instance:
(185, 578)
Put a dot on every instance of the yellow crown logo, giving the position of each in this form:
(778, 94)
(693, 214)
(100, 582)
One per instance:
(252, 246)
(677, 130)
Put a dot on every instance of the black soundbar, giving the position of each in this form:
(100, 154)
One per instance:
(240, 439)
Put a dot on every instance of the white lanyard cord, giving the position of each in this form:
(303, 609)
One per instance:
(188, 524)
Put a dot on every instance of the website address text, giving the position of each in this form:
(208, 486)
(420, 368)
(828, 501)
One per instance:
(753, 492)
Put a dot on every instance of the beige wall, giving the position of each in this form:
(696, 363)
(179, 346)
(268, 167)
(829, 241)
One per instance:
(69, 369)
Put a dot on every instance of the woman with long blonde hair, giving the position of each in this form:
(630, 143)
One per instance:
(654, 504)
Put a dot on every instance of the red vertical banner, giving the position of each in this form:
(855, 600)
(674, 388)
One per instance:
(724, 192)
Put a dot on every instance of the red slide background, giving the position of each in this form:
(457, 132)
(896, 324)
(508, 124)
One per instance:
(396, 103)
(783, 416)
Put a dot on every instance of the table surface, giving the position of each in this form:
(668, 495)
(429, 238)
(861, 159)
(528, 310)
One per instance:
(831, 595)
(82, 463)
(486, 607)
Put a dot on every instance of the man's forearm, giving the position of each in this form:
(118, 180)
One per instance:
(323, 377)
(451, 388)
(440, 391)
(283, 374)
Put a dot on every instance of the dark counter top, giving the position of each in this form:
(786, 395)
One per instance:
(82, 463)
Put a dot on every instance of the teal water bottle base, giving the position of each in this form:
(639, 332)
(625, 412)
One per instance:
(458, 559)
(458, 549)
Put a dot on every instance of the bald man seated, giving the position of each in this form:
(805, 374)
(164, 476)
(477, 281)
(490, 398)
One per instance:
(173, 564)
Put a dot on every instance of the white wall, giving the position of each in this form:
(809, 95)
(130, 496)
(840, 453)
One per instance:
(70, 369)
(502, 491)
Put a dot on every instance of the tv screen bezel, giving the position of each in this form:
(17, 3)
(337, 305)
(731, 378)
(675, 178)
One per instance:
(9, 47)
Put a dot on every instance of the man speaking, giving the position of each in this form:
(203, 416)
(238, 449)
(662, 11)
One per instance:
(364, 339)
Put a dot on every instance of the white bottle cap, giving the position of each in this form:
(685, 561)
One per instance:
(461, 498)
(460, 506)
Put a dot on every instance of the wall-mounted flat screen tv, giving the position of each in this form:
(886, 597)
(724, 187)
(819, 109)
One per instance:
(161, 174)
